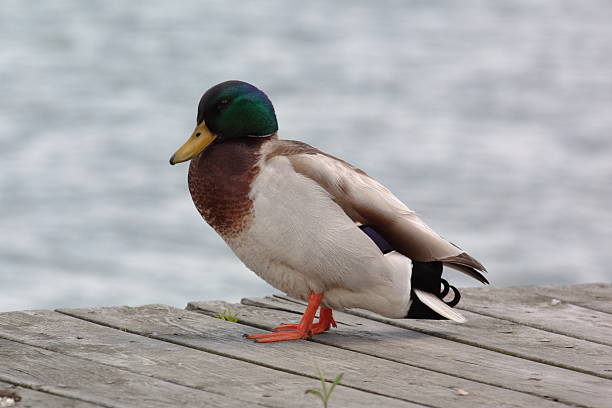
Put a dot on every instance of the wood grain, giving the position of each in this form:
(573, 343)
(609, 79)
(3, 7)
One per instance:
(540, 346)
(453, 358)
(510, 338)
(72, 377)
(36, 399)
(364, 372)
(596, 296)
(526, 305)
(243, 381)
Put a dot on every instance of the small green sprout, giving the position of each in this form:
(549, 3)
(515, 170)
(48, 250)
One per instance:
(228, 315)
(326, 393)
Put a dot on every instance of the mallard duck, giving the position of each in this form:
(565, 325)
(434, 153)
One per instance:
(311, 225)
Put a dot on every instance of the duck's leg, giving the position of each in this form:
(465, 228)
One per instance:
(303, 329)
(326, 320)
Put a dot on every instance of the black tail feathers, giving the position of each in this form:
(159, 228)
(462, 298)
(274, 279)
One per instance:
(427, 276)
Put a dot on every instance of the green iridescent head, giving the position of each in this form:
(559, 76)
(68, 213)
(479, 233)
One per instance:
(237, 109)
(229, 110)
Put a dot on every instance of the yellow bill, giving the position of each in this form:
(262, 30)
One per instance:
(199, 140)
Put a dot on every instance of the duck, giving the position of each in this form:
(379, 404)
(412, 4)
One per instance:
(310, 224)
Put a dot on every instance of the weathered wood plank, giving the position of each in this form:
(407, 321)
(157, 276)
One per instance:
(33, 399)
(360, 371)
(596, 296)
(243, 381)
(453, 358)
(525, 305)
(510, 338)
(72, 377)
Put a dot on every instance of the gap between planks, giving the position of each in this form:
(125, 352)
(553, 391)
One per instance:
(96, 383)
(218, 351)
(190, 339)
(492, 371)
(542, 307)
(571, 311)
(38, 398)
(593, 354)
(181, 366)
(388, 379)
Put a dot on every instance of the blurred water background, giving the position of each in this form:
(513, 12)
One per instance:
(493, 120)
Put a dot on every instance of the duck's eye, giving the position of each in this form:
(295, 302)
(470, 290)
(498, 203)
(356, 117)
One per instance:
(222, 104)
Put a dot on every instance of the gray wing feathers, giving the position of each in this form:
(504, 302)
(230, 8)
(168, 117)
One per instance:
(368, 202)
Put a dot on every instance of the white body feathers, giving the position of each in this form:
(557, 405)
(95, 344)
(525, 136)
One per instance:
(305, 236)
(317, 247)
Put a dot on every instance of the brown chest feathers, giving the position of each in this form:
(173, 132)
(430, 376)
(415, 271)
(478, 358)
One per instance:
(220, 181)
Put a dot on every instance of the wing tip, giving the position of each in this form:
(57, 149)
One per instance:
(468, 270)
(468, 265)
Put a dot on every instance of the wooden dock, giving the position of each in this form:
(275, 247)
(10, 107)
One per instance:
(535, 346)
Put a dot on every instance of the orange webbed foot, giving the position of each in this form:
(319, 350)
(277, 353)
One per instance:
(326, 320)
(278, 336)
(316, 328)
(305, 328)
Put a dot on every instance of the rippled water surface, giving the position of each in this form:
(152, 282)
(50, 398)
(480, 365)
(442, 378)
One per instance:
(493, 120)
